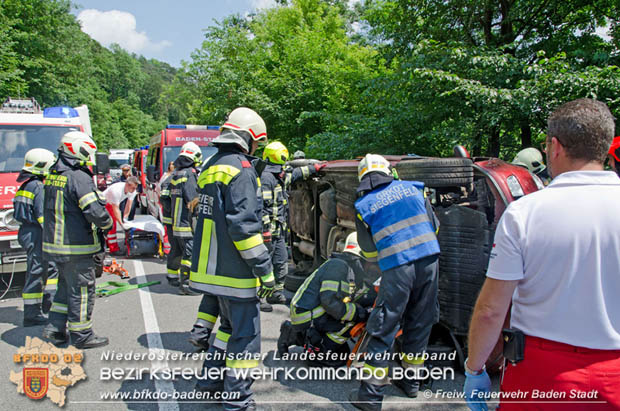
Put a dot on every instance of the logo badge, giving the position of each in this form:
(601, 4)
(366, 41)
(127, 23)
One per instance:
(36, 381)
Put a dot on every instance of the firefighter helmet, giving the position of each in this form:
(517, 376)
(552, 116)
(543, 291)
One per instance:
(373, 162)
(614, 150)
(299, 155)
(79, 145)
(191, 151)
(242, 126)
(276, 153)
(38, 161)
(531, 159)
(351, 245)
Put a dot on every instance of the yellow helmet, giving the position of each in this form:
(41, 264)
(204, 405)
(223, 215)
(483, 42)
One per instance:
(276, 153)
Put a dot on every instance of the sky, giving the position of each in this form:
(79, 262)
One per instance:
(166, 30)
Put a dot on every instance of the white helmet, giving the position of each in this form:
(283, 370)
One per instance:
(242, 119)
(38, 161)
(78, 145)
(373, 162)
(351, 245)
(531, 159)
(191, 151)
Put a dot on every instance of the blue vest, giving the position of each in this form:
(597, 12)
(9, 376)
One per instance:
(399, 224)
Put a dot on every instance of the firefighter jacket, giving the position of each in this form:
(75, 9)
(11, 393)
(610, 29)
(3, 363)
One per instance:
(336, 288)
(183, 189)
(292, 174)
(396, 216)
(73, 208)
(275, 200)
(166, 201)
(229, 256)
(28, 201)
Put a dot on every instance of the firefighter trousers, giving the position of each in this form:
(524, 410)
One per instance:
(73, 304)
(279, 259)
(407, 298)
(239, 337)
(208, 311)
(180, 257)
(41, 276)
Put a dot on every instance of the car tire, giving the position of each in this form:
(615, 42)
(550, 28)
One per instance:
(437, 172)
(294, 280)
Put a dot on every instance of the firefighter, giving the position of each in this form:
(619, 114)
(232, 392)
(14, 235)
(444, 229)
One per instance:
(231, 261)
(328, 304)
(183, 189)
(532, 159)
(299, 155)
(397, 226)
(166, 218)
(28, 210)
(73, 207)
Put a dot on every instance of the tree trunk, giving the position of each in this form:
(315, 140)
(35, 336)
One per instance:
(494, 145)
(526, 134)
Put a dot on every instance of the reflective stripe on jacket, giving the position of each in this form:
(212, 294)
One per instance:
(274, 200)
(397, 217)
(166, 201)
(183, 189)
(73, 208)
(329, 289)
(229, 256)
(28, 202)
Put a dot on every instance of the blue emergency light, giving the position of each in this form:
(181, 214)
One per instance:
(178, 126)
(191, 127)
(60, 112)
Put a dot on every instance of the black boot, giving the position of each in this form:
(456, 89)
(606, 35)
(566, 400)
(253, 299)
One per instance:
(362, 404)
(93, 341)
(199, 337)
(54, 336)
(184, 281)
(286, 329)
(265, 306)
(409, 387)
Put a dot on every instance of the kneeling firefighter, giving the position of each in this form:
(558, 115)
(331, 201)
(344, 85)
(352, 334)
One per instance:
(328, 304)
(28, 210)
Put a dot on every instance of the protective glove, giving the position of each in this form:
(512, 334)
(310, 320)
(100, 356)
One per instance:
(361, 313)
(319, 166)
(475, 387)
(267, 237)
(267, 286)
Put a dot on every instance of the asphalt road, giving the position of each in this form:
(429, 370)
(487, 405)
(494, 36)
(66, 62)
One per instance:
(157, 320)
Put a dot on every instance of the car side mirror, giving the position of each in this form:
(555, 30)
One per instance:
(102, 162)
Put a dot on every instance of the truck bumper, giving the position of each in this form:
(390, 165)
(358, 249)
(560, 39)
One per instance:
(12, 256)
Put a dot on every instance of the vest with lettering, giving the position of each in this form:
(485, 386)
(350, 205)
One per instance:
(399, 224)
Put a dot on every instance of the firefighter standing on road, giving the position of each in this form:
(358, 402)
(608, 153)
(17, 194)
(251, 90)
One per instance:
(28, 210)
(166, 218)
(396, 225)
(73, 207)
(183, 189)
(328, 304)
(230, 260)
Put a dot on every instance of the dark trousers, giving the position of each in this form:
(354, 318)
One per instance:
(173, 259)
(333, 333)
(41, 276)
(180, 257)
(238, 334)
(75, 299)
(208, 311)
(407, 296)
(279, 259)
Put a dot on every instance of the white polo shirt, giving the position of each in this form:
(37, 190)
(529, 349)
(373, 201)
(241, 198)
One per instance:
(115, 194)
(563, 246)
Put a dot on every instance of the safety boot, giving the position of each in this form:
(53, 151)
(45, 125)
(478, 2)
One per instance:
(362, 404)
(93, 341)
(54, 336)
(184, 282)
(265, 306)
(409, 387)
(199, 337)
(286, 329)
(33, 315)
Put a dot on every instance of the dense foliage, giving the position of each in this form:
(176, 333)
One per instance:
(333, 77)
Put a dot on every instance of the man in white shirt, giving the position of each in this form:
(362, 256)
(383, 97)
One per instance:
(114, 195)
(556, 258)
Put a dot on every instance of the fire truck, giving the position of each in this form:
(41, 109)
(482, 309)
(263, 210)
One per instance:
(164, 148)
(24, 126)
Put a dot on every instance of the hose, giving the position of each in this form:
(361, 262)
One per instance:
(10, 281)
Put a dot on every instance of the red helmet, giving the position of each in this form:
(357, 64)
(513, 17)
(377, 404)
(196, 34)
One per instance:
(614, 150)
